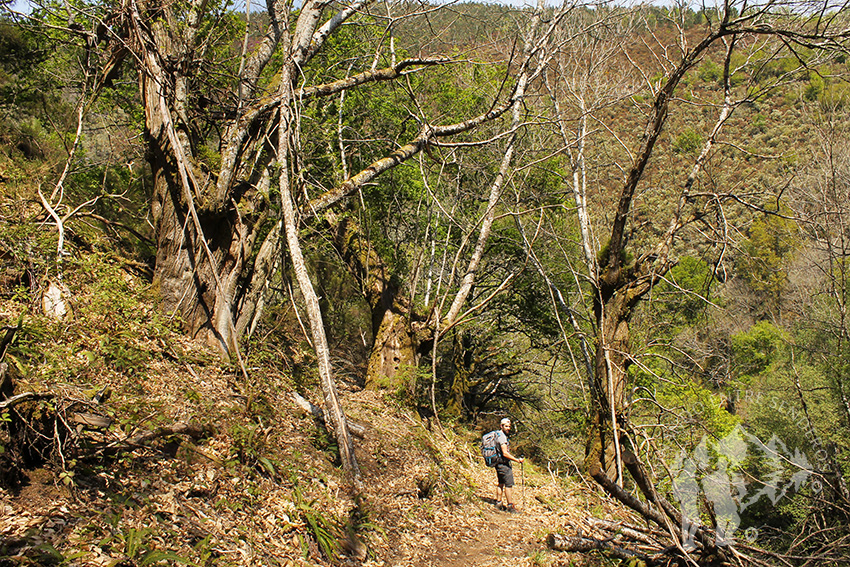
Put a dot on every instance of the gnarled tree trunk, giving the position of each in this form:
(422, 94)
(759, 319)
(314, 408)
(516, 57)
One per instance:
(204, 236)
(393, 354)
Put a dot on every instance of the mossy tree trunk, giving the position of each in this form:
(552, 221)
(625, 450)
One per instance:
(393, 360)
(464, 369)
(609, 383)
(393, 356)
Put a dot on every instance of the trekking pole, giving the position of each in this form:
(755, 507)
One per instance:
(522, 474)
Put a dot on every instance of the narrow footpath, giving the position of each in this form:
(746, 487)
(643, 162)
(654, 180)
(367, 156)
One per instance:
(478, 534)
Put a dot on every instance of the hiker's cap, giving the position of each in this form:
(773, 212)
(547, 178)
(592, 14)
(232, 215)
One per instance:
(505, 420)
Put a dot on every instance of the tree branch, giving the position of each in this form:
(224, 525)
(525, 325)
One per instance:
(25, 397)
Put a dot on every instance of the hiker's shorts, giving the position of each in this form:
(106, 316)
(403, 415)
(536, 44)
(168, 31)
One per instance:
(505, 474)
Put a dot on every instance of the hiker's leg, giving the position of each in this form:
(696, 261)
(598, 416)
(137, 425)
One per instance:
(504, 479)
(507, 478)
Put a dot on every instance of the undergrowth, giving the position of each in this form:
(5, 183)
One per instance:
(157, 450)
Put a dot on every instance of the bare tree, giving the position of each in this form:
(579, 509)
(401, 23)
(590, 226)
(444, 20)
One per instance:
(633, 255)
(820, 288)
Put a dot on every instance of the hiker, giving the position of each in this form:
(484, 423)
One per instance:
(504, 470)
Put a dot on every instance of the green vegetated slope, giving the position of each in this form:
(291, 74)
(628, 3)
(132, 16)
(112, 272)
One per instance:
(132, 444)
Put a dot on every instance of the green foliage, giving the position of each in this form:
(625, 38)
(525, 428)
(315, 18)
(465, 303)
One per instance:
(772, 383)
(248, 444)
(479, 371)
(540, 558)
(41, 81)
(252, 448)
(701, 405)
(38, 80)
(758, 349)
(322, 526)
(138, 545)
(110, 330)
(769, 247)
(835, 96)
(528, 300)
(462, 94)
(324, 440)
(758, 124)
(710, 72)
(371, 114)
(402, 389)
(46, 554)
(23, 54)
(118, 195)
(686, 290)
(360, 526)
(32, 249)
(815, 87)
(689, 142)
(810, 433)
(210, 157)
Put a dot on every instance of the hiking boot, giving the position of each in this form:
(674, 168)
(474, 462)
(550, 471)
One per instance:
(510, 509)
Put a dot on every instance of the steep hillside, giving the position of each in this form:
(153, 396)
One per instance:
(260, 488)
(126, 444)
(647, 217)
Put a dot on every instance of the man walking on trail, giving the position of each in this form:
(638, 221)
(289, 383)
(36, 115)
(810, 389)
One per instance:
(504, 470)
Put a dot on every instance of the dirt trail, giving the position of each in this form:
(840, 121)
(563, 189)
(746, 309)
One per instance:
(477, 534)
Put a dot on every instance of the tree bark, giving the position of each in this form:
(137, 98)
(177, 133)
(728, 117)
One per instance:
(608, 387)
(297, 52)
(393, 359)
(202, 244)
(558, 542)
(393, 354)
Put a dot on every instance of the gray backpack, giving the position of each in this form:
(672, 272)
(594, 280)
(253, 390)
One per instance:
(490, 450)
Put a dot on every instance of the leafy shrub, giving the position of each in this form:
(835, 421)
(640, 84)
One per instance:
(755, 350)
(112, 328)
(815, 87)
(710, 72)
(769, 248)
(251, 445)
(688, 142)
(681, 296)
(758, 125)
(322, 526)
(834, 96)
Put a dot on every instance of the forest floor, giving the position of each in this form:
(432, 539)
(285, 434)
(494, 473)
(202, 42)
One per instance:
(479, 534)
(260, 486)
